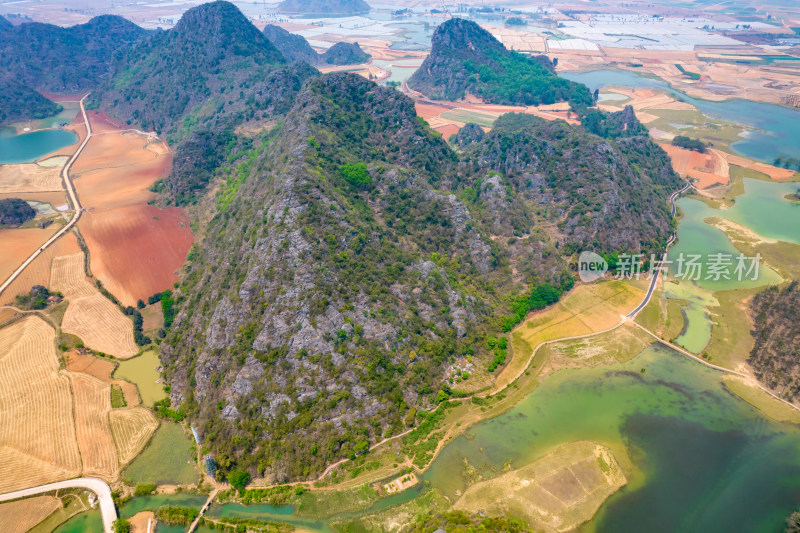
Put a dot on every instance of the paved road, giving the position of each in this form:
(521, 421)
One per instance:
(73, 198)
(657, 268)
(98, 486)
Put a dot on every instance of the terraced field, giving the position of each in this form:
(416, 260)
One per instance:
(92, 407)
(37, 430)
(131, 428)
(90, 315)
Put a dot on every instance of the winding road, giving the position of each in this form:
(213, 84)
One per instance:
(73, 198)
(98, 486)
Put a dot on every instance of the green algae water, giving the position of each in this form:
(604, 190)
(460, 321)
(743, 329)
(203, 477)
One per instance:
(702, 459)
(764, 209)
(153, 502)
(696, 237)
(143, 372)
(88, 522)
(29, 147)
(776, 129)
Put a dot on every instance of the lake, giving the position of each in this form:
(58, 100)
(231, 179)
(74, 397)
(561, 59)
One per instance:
(29, 147)
(779, 126)
(703, 460)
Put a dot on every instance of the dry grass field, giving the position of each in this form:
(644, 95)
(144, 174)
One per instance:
(22, 515)
(555, 493)
(38, 272)
(29, 177)
(585, 309)
(37, 430)
(131, 428)
(90, 315)
(92, 406)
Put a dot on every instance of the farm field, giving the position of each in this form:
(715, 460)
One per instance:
(136, 248)
(90, 315)
(29, 177)
(586, 309)
(167, 460)
(39, 271)
(18, 244)
(92, 406)
(131, 429)
(37, 430)
(21, 515)
(102, 370)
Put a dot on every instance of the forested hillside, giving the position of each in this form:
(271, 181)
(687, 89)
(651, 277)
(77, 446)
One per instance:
(465, 58)
(50, 58)
(775, 355)
(191, 73)
(18, 101)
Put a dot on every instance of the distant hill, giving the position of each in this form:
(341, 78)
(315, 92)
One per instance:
(191, 72)
(345, 54)
(465, 58)
(19, 101)
(4, 23)
(295, 48)
(67, 60)
(324, 7)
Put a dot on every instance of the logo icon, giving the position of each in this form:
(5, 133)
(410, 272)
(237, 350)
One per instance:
(591, 267)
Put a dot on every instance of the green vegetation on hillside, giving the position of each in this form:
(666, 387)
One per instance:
(774, 356)
(466, 58)
(18, 102)
(50, 58)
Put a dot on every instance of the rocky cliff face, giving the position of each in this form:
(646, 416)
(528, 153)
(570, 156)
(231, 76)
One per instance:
(354, 258)
(322, 306)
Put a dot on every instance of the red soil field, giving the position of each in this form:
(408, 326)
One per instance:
(135, 248)
(448, 130)
(102, 123)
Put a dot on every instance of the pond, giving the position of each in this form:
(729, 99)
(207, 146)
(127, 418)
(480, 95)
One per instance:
(29, 147)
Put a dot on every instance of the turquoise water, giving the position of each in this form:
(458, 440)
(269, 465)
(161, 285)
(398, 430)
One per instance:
(269, 513)
(765, 210)
(697, 331)
(88, 522)
(695, 237)
(780, 126)
(151, 503)
(703, 459)
(29, 147)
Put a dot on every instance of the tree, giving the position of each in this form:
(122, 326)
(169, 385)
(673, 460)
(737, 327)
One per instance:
(140, 304)
(239, 479)
(121, 526)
